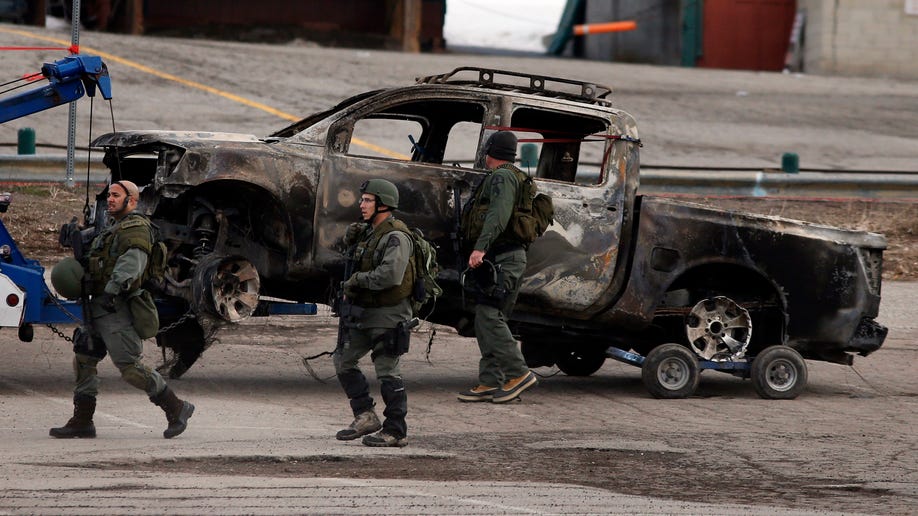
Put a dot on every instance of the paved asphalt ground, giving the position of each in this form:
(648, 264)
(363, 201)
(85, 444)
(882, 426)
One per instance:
(851, 438)
(851, 435)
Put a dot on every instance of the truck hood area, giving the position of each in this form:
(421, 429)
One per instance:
(185, 139)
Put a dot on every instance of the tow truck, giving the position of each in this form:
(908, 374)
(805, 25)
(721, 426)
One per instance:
(27, 299)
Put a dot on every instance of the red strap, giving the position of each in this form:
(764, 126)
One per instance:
(43, 48)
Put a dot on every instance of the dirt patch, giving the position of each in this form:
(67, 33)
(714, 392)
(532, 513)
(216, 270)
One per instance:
(35, 216)
(503, 458)
(37, 212)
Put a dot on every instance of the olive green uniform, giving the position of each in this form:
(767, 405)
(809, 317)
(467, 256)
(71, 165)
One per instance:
(117, 261)
(384, 279)
(485, 228)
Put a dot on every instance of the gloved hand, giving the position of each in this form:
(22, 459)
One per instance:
(354, 230)
(350, 287)
(107, 301)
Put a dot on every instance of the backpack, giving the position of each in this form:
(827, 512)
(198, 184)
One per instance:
(155, 274)
(533, 213)
(425, 272)
(531, 216)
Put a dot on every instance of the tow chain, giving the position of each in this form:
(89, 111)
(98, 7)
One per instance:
(54, 329)
(186, 316)
(59, 333)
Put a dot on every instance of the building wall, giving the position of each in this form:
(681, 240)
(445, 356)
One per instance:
(861, 37)
(656, 41)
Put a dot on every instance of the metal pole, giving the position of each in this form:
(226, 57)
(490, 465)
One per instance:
(71, 121)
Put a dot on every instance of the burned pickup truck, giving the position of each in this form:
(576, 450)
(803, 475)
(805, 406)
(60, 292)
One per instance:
(246, 217)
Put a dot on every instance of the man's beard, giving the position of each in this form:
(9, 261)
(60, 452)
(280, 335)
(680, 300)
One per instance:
(120, 212)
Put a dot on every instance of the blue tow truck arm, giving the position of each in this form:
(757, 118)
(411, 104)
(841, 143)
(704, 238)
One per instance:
(69, 79)
(25, 299)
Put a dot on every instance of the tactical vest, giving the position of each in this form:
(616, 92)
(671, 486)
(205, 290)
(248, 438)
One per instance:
(132, 231)
(473, 216)
(369, 254)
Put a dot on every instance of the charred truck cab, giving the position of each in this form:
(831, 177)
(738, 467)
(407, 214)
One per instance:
(616, 270)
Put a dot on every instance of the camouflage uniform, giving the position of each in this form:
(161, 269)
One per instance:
(116, 265)
(383, 288)
(117, 261)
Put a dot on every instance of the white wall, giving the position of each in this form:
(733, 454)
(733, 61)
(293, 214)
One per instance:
(861, 37)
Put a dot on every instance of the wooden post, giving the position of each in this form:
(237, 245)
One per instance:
(133, 16)
(411, 35)
(37, 13)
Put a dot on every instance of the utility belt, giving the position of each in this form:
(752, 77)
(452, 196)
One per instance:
(395, 340)
(499, 247)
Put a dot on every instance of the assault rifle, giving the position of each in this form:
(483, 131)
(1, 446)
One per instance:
(344, 308)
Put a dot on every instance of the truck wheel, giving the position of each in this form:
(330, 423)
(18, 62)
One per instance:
(719, 329)
(670, 371)
(226, 287)
(779, 373)
(580, 360)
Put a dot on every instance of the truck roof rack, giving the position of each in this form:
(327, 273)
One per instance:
(537, 84)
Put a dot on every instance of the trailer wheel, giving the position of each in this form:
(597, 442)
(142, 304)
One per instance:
(779, 373)
(670, 371)
(580, 360)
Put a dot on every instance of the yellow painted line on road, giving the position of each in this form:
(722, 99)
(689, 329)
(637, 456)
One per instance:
(196, 85)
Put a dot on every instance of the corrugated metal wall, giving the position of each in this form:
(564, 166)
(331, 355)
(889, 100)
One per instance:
(746, 34)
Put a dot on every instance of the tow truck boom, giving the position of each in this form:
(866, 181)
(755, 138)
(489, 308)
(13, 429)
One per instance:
(70, 78)
(25, 299)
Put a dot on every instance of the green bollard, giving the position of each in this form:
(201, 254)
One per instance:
(26, 141)
(529, 155)
(790, 163)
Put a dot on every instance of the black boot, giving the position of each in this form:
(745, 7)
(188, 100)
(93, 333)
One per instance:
(177, 412)
(80, 425)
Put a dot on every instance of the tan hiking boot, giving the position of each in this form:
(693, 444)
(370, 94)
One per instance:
(385, 439)
(513, 388)
(363, 424)
(478, 393)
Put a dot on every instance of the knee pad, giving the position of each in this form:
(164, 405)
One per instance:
(137, 375)
(391, 385)
(84, 366)
(354, 383)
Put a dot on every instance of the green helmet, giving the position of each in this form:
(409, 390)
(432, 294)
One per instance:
(67, 278)
(385, 191)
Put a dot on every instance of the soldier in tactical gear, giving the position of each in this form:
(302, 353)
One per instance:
(497, 260)
(116, 265)
(379, 297)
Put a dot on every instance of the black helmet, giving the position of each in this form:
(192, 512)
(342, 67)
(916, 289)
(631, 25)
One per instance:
(385, 191)
(67, 278)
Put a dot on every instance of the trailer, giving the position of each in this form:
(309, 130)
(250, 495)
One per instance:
(672, 371)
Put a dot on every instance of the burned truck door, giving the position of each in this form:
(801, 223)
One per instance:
(572, 266)
(420, 145)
